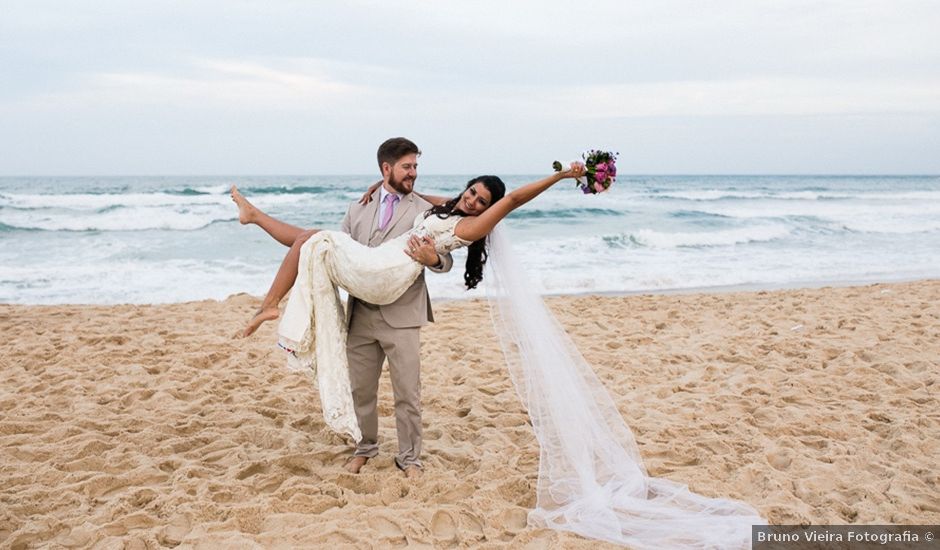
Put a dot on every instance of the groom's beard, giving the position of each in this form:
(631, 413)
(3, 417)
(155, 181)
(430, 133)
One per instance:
(403, 186)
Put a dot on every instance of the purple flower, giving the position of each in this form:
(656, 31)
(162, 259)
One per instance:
(602, 171)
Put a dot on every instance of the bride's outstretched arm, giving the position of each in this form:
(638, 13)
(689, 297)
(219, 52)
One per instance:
(477, 227)
(366, 197)
(435, 200)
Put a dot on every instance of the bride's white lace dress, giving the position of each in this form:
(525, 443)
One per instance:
(313, 326)
(591, 477)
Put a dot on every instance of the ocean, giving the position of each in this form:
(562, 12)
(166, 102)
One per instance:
(108, 240)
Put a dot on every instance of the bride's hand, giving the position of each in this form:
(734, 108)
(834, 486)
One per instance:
(576, 170)
(367, 197)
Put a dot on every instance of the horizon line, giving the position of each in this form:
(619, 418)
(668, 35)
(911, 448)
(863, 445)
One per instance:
(462, 174)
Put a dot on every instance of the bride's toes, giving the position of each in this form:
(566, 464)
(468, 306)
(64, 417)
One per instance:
(245, 209)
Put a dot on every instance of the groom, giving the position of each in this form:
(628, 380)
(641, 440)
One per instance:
(377, 332)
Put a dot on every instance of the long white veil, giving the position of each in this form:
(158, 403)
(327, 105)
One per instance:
(591, 477)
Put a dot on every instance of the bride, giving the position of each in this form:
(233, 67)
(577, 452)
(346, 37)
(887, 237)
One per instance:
(322, 261)
(591, 477)
(381, 274)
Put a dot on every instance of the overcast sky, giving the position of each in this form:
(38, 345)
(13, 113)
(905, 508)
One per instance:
(306, 87)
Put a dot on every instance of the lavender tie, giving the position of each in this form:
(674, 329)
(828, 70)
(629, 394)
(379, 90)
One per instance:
(390, 201)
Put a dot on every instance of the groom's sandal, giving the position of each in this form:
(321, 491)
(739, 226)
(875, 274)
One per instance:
(354, 464)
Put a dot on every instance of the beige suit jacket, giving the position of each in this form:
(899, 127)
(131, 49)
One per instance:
(413, 309)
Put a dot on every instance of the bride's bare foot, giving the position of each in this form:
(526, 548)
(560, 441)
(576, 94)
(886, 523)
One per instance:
(263, 315)
(246, 210)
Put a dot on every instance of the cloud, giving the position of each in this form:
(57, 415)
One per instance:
(89, 82)
(296, 84)
(755, 96)
(759, 96)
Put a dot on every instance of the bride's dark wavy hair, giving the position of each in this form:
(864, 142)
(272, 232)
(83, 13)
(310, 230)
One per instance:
(476, 252)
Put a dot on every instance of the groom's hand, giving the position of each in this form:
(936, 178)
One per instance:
(422, 251)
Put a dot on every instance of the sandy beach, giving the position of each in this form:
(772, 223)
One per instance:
(150, 426)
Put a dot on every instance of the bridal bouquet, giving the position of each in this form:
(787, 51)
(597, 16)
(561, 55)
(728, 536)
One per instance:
(601, 169)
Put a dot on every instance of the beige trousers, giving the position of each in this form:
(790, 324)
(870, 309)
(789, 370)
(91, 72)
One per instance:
(370, 341)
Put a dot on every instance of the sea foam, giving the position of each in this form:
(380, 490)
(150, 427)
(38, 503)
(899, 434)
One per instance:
(111, 240)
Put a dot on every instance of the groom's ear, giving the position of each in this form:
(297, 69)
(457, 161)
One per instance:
(386, 170)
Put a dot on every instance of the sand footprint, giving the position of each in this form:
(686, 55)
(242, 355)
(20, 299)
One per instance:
(137, 520)
(473, 525)
(358, 484)
(459, 492)
(517, 491)
(387, 529)
(254, 469)
(80, 536)
(174, 533)
(780, 458)
(514, 519)
(443, 525)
